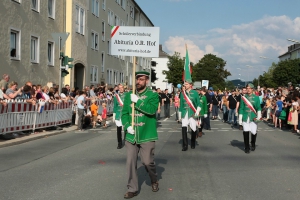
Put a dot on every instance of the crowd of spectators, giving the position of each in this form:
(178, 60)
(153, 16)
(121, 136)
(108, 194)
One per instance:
(12, 91)
(280, 106)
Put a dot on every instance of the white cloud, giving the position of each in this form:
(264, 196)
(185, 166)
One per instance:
(241, 45)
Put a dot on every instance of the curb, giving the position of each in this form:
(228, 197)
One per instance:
(28, 138)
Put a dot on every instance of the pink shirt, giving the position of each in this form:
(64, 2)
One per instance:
(176, 101)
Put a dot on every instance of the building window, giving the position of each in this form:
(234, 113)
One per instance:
(95, 7)
(50, 53)
(95, 40)
(116, 21)
(18, 1)
(35, 5)
(130, 79)
(15, 37)
(102, 61)
(108, 48)
(121, 77)
(103, 4)
(34, 49)
(131, 12)
(118, 2)
(80, 20)
(94, 74)
(115, 77)
(103, 31)
(109, 76)
(123, 4)
(51, 8)
(111, 18)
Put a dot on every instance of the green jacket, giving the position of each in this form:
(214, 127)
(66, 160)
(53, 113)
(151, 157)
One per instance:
(203, 105)
(145, 126)
(184, 107)
(245, 110)
(117, 107)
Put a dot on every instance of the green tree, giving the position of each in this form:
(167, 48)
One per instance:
(287, 71)
(175, 65)
(211, 68)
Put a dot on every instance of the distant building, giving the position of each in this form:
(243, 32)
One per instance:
(161, 65)
(292, 53)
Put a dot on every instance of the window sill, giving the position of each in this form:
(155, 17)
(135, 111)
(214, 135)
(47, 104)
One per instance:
(50, 65)
(34, 62)
(15, 58)
(51, 17)
(35, 10)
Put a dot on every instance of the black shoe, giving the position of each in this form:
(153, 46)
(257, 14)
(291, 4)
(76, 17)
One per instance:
(129, 195)
(184, 149)
(252, 147)
(192, 147)
(247, 151)
(119, 147)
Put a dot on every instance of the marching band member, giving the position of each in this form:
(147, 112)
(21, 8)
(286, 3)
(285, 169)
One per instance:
(118, 106)
(189, 108)
(250, 109)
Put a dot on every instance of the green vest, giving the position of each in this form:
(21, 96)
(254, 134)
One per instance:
(203, 105)
(145, 126)
(184, 107)
(245, 110)
(117, 107)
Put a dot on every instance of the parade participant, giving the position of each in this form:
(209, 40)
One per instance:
(167, 100)
(141, 135)
(160, 103)
(118, 106)
(251, 111)
(189, 108)
(203, 112)
(244, 91)
(206, 120)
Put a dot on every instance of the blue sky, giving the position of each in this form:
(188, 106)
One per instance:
(239, 31)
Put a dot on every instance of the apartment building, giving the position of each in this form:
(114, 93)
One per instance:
(29, 52)
(89, 23)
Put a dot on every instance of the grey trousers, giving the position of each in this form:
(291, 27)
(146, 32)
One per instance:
(147, 157)
(80, 118)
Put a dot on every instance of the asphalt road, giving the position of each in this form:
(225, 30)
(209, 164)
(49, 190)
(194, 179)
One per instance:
(87, 165)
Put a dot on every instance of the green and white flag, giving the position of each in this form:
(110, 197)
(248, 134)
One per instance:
(187, 73)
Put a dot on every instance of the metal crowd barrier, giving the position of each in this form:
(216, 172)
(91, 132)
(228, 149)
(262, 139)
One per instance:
(22, 116)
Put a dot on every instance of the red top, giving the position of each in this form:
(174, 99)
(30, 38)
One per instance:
(104, 112)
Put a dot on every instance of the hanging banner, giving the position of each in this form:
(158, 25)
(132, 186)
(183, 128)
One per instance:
(135, 41)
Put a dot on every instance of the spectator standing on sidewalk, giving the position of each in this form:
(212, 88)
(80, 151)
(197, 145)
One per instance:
(176, 105)
(232, 108)
(160, 103)
(92, 91)
(94, 112)
(81, 106)
(4, 82)
(215, 107)
(12, 91)
(224, 107)
(206, 120)
(167, 99)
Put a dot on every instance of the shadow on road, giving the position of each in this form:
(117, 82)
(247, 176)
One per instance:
(238, 144)
(143, 174)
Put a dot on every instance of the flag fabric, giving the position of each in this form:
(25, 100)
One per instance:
(187, 72)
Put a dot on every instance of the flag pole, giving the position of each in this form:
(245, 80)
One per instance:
(133, 91)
